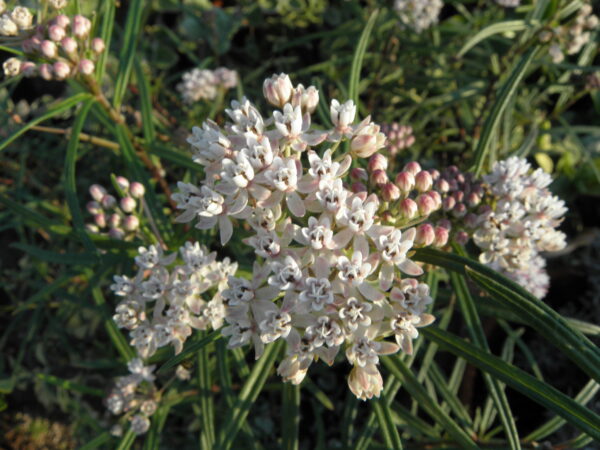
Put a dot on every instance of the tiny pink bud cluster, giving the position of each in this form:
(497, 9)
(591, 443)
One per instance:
(399, 137)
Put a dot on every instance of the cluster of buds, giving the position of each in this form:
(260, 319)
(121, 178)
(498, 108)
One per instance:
(164, 301)
(204, 84)
(519, 222)
(15, 22)
(418, 15)
(329, 273)
(571, 37)
(509, 3)
(399, 137)
(118, 219)
(62, 48)
(135, 397)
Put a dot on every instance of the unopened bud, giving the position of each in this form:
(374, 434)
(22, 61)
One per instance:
(412, 167)
(131, 223)
(97, 192)
(48, 49)
(45, 71)
(386, 216)
(28, 69)
(435, 174)
(97, 45)
(445, 223)
(278, 89)
(56, 33)
(459, 210)
(307, 99)
(69, 45)
(122, 182)
(426, 204)
(377, 162)
(127, 204)
(441, 236)
(461, 237)
(116, 233)
(100, 220)
(86, 67)
(390, 192)
(425, 235)
(459, 196)
(114, 220)
(93, 207)
(448, 203)
(367, 141)
(30, 45)
(81, 26)
(137, 190)
(442, 185)
(359, 174)
(108, 201)
(408, 208)
(405, 181)
(91, 228)
(379, 177)
(437, 198)
(61, 70)
(471, 220)
(357, 187)
(473, 199)
(62, 21)
(423, 181)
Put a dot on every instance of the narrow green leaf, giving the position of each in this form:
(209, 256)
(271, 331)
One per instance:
(174, 156)
(399, 370)
(507, 92)
(193, 345)
(290, 419)
(477, 335)
(70, 385)
(145, 102)
(27, 214)
(206, 398)
(55, 110)
(106, 32)
(159, 418)
(81, 259)
(391, 438)
(98, 441)
(359, 55)
(538, 391)
(114, 333)
(491, 30)
(126, 441)
(248, 395)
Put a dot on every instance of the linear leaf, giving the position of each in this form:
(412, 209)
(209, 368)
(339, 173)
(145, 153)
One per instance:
(291, 416)
(174, 156)
(106, 32)
(190, 349)
(206, 398)
(126, 441)
(391, 438)
(114, 333)
(82, 259)
(359, 55)
(146, 103)
(538, 391)
(496, 28)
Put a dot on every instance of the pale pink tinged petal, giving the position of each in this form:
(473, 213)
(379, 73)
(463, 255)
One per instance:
(386, 277)
(274, 199)
(361, 245)
(314, 138)
(410, 268)
(295, 204)
(407, 346)
(261, 307)
(259, 192)
(178, 346)
(206, 223)
(373, 260)
(293, 339)
(426, 319)
(362, 195)
(260, 178)
(409, 235)
(267, 293)
(226, 188)
(259, 347)
(243, 214)
(240, 203)
(344, 166)
(328, 354)
(313, 205)
(289, 301)
(322, 268)
(376, 231)
(308, 186)
(225, 229)
(363, 378)
(342, 238)
(298, 146)
(388, 348)
(370, 293)
(186, 216)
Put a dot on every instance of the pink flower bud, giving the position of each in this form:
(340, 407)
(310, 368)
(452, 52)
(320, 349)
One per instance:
(108, 201)
(471, 220)
(377, 162)
(61, 70)
(459, 210)
(386, 216)
(131, 223)
(100, 220)
(437, 198)
(86, 67)
(390, 192)
(412, 167)
(408, 208)
(69, 45)
(48, 49)
(116, 233)
(423, 181)
(93, 207)
(62, 21)
(91, 228)
(28, 69)
(81, 26)
(307, 99)
(458, 196)
(425, 235)
(364, 145)
(56, 33)
(127, 204)
(441, 236)
(278, 89)
(114, 220)
(461, 237)
(473, 199)
(122, 182)
(405, 181)
(45, 71)
(358, 187)
(30, 45)
(445, 223)
(435, 174)
(358, 174)
(379, 177)
(97, 192)
(442, 185)
(426, 204)
(97, 45)
(137, 190)
(448, 203)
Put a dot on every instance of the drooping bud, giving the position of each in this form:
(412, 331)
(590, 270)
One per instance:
(93, 207)
(405, 181)
(137, 190)
(358, 187)
(437, 198)
(473, 199)
(462, 237)
(28, 69)
(127, 204)
(100, 220)
(445, 223)
(114, 220)
(448, 203)
(278, 89)
(442, 185)
(69, 45)
(459, 210)
(408, 208)
(377, 162)
(45, 71)
(423, 181)
(390, 192)
(425, 235)
(62, 21)
(435, 174)
(116, 233)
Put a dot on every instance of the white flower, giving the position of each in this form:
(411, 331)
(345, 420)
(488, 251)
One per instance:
(129, 315)
(365, 382)
(22, 17)
(278, 89)
(209, 144)
(276, 324)
(325, 331)
(198, 84)
(8, 28)
(318, 234)
(404, 326)
(355, 313)
(140, 424)
(418, 14)
(411, 296)
(286, 273)
(317, 293)
(342, 116)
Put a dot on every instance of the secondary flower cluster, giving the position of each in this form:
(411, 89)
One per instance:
(162, 304)
(418, 14)
(571, 38)
(61, 48)
(519, 223)
(399, 137)
(203, 84)
(15, 22)
(328, 272)
(135, 396)
(120, 218)
(509, 3)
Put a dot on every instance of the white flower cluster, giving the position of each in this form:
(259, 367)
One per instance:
(418, 15)
(64, 46)
(509, 3)
(16, 21)
(327, 272)
(571, 38)
(135, 396)
(160, 306)
(199, 84)
(121, 218)
(520, 223)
